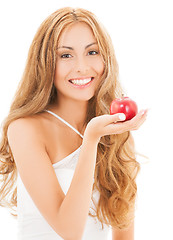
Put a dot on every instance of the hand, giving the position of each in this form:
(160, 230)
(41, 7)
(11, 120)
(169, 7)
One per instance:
(112, 124)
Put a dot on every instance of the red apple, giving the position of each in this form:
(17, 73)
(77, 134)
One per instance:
(124, 105)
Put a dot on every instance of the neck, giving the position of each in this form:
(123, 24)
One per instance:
(72, 111)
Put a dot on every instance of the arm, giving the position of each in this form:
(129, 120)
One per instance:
(66, 214)
(75, 207)
(123, 234)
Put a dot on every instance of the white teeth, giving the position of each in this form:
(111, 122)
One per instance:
(81, 82)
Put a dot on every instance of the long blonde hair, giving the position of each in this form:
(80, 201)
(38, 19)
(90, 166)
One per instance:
(116, 166)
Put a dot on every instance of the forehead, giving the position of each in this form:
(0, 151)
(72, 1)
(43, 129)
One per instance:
(77, 33)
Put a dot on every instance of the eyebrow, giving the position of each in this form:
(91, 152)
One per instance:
(73, 48)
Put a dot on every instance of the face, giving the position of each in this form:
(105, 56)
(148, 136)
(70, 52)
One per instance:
(79, 65)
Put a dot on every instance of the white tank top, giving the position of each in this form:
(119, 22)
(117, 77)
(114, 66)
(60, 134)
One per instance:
(33, 226)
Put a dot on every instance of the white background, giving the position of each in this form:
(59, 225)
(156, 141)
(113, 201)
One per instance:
(141, 32)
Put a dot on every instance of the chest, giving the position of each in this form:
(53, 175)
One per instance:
(60, 142)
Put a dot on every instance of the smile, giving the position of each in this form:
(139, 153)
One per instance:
(81, 82)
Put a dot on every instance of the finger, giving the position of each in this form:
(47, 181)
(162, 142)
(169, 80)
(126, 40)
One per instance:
(139, 123)
(108, 119)
(138, 115)
(138, 120)
(118, 117)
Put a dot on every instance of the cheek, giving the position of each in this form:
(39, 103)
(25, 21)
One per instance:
(61, 70)
(101, 67)
(98, 66)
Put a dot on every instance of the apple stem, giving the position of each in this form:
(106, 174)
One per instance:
(122, 95)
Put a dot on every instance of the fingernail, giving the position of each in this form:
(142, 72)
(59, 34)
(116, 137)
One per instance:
(122, 116)
(144, 111)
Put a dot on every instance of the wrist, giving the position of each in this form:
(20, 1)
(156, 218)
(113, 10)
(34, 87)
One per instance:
(90, 139)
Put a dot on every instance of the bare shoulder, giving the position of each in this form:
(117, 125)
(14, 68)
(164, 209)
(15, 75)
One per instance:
(31, 126)
(35, 167)
(42, 130)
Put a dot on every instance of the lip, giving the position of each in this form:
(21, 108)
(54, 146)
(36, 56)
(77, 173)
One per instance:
(81, 86)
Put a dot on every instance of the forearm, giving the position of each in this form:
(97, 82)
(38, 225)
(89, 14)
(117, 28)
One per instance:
(127, 234)
(74, 209)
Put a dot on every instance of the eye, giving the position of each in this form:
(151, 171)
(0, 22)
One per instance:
(92, 53)
(66, 55)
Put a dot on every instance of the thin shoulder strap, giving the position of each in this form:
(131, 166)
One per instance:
(64, 122)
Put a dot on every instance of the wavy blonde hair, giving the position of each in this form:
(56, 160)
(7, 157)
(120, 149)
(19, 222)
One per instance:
(116, 166)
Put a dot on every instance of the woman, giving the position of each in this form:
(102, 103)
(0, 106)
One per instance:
(74, 163)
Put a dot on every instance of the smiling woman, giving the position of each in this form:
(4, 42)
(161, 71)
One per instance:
(73, 162)
(78, 63)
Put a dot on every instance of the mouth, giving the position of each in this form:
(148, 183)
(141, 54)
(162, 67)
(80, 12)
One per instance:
(81, 82)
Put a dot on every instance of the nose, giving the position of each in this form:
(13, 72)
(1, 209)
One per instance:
(81, 65)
